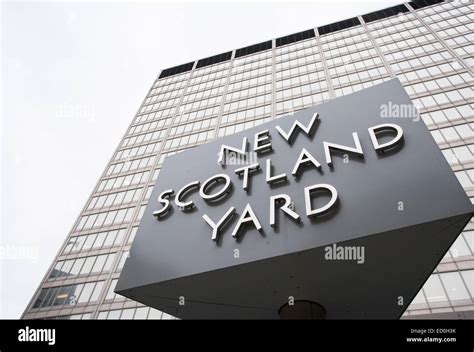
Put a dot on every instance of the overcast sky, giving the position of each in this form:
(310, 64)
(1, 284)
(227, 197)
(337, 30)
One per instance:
(73, 75)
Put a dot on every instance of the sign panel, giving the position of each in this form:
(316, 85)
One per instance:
(349, 204)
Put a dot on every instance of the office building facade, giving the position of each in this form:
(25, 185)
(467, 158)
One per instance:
(427, 45)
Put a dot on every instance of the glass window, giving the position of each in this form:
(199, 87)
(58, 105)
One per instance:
(122, 260)
(468, 276)
(120, 216)
(110, 293)
(438, 137)
(109, 200)
(108, 262)
(127, 313)
(100, 239)
(119, 198)
(166, 316)
(114, 314)
(433, 289)
(459, 248)
(76, 268)
(128, 215)
(110, 238)
(454, 286)
(48, 300)
(74, 293)
(100, 219)
(86, 292)
(88, 264)
(56, 270)
(469, 236)
(120, 236)
(99, 263)
(140, 213)
(141, 313)
(62, 296)
(90, 221)
(154, 314)
(89, 241)
(100, 202)
(77, 242)
(438, 116)
(419, 298)
(97, 290)
(466, 130)
(110, 217)
(449, 134)
(128, 197)
(464, 179)
(463, 153)
(41, 298)
(102, 315)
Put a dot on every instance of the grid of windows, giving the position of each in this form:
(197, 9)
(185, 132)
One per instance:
(106, 218)
(300, 78)
(82, 266)
(72, 295)
(429, 49)
(249, 91)
(140, 313)
(94, 241)
(455, 287)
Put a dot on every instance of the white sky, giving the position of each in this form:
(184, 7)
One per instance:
(73, 75)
